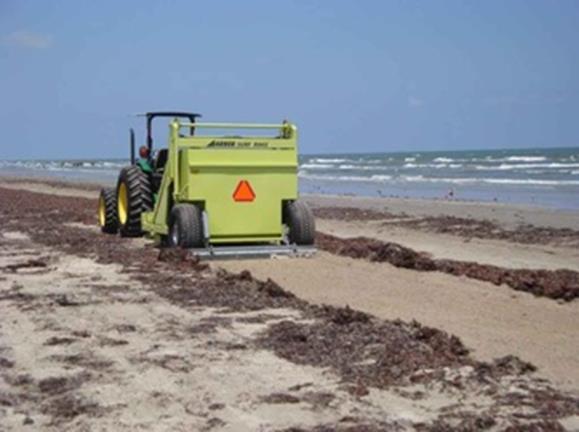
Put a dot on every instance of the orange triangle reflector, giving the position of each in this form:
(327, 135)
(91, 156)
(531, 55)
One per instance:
(243, 192)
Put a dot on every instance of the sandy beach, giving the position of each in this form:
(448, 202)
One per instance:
(439, 315)
(299, 217)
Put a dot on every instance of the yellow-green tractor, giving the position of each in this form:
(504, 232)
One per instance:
(219, 195)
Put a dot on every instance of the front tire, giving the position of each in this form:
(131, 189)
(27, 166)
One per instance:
(185, 227)
(107, 211)
(134, 196)
(300, 220)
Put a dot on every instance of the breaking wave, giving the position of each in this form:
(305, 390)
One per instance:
(505, 167)
(526, 158)
(421, 178)
(328, 161)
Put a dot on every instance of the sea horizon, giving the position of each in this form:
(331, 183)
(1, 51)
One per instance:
(369, 153)
(547, 177)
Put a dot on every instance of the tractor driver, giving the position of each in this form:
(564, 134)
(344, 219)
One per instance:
(144, 161)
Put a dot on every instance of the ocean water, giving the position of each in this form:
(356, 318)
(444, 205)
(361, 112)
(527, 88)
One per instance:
(544, 177)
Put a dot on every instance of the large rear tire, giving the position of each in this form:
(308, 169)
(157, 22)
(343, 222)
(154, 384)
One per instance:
(185, 227)
(107, 211)
(134, 196)
(300, 220)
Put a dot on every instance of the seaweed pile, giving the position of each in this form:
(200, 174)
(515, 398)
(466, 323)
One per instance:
(555, 284)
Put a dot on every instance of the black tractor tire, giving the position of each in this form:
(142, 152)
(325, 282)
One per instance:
(301, 223)
(134, 196)
(107, 211)
(185, 227)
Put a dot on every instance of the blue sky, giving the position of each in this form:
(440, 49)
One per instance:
(355, 76)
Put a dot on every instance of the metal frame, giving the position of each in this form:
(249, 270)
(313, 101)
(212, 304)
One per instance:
(173, 114)
(192, 117)
(254, 251)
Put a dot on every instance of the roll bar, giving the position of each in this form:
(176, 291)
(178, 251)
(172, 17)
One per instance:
(152, 115)
(234, 125)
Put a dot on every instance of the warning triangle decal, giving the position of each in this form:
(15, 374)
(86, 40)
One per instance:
(243, 192)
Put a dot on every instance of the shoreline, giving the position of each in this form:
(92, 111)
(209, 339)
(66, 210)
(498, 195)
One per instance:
(547, 178)
(505, 213)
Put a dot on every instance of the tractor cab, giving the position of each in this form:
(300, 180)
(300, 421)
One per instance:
(153, 161)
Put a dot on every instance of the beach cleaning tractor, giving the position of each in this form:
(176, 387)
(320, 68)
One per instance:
(218, 194)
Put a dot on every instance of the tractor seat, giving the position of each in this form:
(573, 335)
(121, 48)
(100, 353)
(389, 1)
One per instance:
(160, 160)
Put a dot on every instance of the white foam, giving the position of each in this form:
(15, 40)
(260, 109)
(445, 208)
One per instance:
(381, 177)
(421, 178)
(432, 165)
(533, 182)
(468, 180)
(414, 178)
(443, 159)
(325, 160)
(507, 167)
(374, 178)
(317, 166)
(526, 158)
(64, 165)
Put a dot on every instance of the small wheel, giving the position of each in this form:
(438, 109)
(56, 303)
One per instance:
(107, 211)
(134, 196)
(185, 227)
(300, 221)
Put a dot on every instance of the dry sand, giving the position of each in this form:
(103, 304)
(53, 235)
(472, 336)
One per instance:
(87, 335)
(484, 251)
(507, 214)
(494, 321)
(131, 360)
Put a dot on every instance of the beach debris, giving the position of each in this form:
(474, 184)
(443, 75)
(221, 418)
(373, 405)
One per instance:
(63, 408)
(354, 213)
(555, 284)
(373, 353)
(182, 257)
(280, 398)
(6, 363)
(29, 264)
(57, 340)
(65, 301)
(62, 384)
(462, 227)
(486, 229)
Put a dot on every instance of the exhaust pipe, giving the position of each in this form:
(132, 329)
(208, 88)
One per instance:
(132, 141)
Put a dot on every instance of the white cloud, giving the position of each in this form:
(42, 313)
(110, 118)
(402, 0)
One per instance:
(26, 39)
(414, 102)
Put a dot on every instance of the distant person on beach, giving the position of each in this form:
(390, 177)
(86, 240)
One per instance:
(450, 194)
